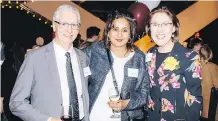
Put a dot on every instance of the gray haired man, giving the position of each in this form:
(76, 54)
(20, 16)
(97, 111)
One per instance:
(54, 75)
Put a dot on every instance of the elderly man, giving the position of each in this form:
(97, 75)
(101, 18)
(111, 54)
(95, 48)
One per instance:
(54, 75)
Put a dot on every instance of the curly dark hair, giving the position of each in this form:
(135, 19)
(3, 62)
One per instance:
(92, 31)
(116, 14)
(194, 41)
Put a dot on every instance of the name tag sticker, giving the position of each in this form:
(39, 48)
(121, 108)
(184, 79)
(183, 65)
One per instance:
(148, 57)
(87, 71)
(133, 72)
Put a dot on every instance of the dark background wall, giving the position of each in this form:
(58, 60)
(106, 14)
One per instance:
(210, 36)
(17, 25)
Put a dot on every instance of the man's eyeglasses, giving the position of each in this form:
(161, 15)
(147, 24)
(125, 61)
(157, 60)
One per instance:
(163, 25)
(66, 25)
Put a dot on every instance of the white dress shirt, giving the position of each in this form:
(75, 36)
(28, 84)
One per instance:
(101, 110)
(61, 64)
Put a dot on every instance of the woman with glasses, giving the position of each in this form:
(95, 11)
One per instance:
(119, 84)
(175, 82)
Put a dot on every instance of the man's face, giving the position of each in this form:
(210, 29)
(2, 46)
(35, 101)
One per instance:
(66, 27)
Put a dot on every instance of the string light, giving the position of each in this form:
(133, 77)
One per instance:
(81, 1)
(22, 6)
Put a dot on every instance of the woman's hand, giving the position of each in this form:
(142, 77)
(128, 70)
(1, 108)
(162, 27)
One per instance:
(118, 105)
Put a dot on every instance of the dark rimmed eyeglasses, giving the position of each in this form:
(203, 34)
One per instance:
(163, 25)
(66, 25)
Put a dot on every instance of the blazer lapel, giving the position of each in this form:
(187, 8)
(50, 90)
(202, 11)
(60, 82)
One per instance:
(51, 61)
(81, 62)
(151, 64)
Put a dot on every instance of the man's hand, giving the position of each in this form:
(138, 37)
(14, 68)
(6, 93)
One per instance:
(31, 49)
(54, 119)
(1, 104)
(118, 105)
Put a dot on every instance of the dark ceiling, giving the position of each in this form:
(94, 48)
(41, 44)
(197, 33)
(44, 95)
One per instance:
(102, 8)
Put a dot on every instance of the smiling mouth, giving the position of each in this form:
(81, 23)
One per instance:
(119, 40)
(68, 36)
(160, 36)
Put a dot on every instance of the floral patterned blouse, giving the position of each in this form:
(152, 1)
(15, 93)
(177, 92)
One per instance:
(175, 85)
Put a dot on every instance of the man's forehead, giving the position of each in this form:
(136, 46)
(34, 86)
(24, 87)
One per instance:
(68, 15)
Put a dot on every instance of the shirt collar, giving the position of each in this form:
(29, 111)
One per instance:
(61, 51)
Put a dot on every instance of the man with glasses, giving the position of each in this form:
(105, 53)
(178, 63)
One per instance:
(54, 76)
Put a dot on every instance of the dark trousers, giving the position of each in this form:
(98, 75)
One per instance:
(213, 104)
(204, 119)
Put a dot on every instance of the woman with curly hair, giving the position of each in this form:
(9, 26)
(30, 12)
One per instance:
(116, 64)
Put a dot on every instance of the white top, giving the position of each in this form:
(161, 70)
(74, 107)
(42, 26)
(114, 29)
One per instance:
(61, 64)
(1, 62)
(101, 110)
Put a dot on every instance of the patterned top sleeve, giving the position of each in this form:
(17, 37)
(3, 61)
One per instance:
(193, 92)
